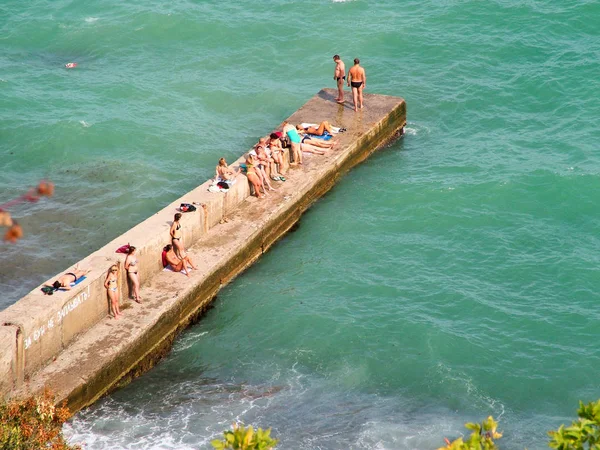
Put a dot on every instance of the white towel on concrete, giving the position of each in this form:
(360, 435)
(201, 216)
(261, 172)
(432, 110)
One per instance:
(170, 269)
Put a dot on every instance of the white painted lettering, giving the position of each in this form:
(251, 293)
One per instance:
(60, 315)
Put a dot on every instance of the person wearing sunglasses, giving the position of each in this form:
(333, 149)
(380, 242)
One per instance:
(111, 283)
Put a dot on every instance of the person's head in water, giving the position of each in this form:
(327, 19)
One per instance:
(177, 217)
(336, 57)
(356, 61)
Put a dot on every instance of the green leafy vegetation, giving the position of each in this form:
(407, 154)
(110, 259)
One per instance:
(583, 433)
(34, 423)
(483, 437)
(241, 438)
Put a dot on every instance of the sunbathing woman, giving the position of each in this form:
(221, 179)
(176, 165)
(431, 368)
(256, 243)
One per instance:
(224, 172)
(253, 177)
(111, 283)
(315, 142)
(277, 154)
(176, 236)
(131, 267)
(64, 281)
(178, 265)
(264, 162)
(321, 129)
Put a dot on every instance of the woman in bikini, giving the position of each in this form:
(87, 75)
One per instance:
(64, 281)
(295, 142)
(176, 237)
(264, 162)
(111, 283)
(224, 172)
(320, 130)
(131, 266)
(178, 265)
(276, 154)
(313, 142)
(253, 177)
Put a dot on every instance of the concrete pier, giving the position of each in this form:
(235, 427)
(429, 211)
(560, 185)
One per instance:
(68, 343)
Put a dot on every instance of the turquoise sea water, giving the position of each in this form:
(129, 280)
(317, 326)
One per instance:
(452, 276)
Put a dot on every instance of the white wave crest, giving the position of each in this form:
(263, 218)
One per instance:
(85, 124)
(91, 19)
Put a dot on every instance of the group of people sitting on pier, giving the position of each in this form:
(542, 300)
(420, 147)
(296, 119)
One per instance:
(263, 163)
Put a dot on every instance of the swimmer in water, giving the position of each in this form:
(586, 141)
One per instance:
(71, 65)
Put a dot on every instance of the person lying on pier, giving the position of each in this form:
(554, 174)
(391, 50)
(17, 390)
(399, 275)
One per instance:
(64, 281)
(308, 148)
(277, 154)
(178, 265)
(176, 236)
(315, 142)
(295, 142)
(320, 130)
(111, 283)
(224, 172)
(253, 175)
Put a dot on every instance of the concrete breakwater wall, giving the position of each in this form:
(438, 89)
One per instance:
(66, 341)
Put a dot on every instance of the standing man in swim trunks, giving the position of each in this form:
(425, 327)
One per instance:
(357, 78)
(339, 75)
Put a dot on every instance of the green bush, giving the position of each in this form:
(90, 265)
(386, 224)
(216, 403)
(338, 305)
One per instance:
(583, 433)
(245, 439)
(482, 437)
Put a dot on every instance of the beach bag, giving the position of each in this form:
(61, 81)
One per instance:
(186, 207)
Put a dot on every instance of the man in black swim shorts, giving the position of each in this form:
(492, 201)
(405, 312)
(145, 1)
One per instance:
(339, 75)
(357, 78)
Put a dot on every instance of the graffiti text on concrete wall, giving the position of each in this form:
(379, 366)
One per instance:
(57, 318)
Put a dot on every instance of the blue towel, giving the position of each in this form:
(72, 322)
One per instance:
(325, 136)
(75, 283)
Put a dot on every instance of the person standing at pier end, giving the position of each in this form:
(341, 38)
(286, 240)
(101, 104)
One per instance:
(357, 78)
(339, 75)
